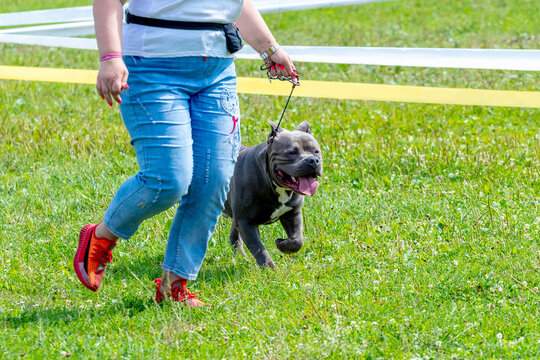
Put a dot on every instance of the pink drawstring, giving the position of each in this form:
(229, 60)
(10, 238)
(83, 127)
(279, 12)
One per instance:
(235, 120)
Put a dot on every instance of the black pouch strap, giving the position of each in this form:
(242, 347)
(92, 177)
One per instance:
(171, 24)
(232, 35)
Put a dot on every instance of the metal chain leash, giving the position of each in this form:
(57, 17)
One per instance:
(266, 66)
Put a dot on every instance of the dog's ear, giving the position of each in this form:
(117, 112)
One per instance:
(304, 126)
(275, 130)
(273, 125)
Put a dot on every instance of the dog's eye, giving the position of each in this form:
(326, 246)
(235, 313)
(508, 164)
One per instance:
(293, 152)
(317, 152)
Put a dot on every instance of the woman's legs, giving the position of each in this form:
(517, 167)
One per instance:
(216, 142)
(186, 137)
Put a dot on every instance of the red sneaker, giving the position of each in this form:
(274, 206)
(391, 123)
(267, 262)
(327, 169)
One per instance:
(179, 293)
(92, 256)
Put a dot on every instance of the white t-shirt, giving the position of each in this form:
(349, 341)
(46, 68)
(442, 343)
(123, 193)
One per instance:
(147, 41)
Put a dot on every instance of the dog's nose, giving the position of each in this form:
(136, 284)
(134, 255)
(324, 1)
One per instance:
(313, 162)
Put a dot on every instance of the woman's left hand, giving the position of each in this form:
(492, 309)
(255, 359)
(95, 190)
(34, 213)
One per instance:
(282, 65)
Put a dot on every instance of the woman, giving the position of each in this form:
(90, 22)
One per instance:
(180, 107)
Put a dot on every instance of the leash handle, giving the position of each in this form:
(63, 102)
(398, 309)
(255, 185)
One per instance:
(267, 66)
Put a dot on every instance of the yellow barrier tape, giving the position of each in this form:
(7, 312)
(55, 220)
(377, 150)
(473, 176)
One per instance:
(318, 89)
(48, 74)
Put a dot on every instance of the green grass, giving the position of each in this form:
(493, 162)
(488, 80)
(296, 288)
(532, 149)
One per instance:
(421, 242)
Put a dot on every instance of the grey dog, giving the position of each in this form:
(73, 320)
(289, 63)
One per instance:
(269, 183)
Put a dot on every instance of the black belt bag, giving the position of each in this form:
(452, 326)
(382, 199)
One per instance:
(234, 39)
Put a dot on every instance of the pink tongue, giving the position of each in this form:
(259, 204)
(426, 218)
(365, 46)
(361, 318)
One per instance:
(308, 185)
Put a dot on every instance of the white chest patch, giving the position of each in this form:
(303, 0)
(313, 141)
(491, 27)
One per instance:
(283, 198)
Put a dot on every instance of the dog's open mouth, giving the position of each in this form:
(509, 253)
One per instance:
(306, 185)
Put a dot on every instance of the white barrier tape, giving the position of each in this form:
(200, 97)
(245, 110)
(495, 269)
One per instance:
(50, 16)
(265, 6)
(53, 41)
(81, 23)
(79, 28)
(491, 59)
(84, 13)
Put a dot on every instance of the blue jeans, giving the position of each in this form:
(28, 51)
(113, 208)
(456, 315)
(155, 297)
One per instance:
(183, 118)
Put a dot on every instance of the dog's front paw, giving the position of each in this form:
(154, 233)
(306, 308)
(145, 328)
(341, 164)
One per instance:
(268, 264)
(287, 246)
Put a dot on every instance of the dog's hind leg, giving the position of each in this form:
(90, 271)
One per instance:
(236, 242)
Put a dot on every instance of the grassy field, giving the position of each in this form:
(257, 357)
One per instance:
(423, 240)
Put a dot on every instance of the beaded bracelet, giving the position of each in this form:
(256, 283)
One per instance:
(110, 56)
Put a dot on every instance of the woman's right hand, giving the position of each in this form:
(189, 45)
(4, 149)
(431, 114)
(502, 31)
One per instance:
(282, 65)
(112, 80)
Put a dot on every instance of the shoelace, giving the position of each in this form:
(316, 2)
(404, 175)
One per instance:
(106, 257)
(180, 295)
(102, 253)
(177, 293)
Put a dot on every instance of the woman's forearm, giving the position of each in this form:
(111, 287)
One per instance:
(254, 29)
(113, 74)
(256, 33)
(108, 17)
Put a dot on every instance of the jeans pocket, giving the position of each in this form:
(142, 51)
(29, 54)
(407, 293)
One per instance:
(230, 103)
(236, 140)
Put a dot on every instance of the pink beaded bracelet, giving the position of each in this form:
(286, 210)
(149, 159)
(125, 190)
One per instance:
(110, 56)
